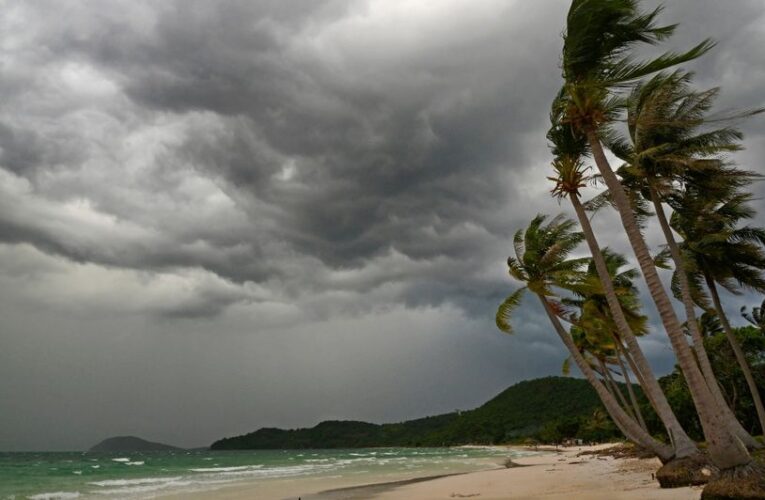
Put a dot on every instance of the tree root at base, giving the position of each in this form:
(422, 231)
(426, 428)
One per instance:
(687, 471)
(746, 482)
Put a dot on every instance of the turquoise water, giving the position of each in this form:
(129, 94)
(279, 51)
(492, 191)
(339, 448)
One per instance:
(49, 476)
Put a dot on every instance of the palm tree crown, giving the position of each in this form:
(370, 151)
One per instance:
(596, 59)
(541, 261)
(716, 246)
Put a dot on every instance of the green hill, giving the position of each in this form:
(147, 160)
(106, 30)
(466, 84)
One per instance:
(555, 406)
(523, 410)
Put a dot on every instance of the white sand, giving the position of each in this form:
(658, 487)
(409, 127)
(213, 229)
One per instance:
(561, 476)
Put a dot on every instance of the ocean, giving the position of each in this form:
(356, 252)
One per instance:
(65, 475)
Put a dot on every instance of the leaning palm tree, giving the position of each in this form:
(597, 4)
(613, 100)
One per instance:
(718, 251)
(600, 352)
(596, 327)
(541, 262)
(570, 177)
(669, 145)
(596, 62)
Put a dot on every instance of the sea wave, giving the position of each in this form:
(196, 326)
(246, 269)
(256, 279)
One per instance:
(56, 495)
(272, 472)
(227, 469)
(147, 488)
(130, 482)
(176, 484)
(258, 471)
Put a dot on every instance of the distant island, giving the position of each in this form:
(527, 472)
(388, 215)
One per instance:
(129, 443)
(533, 408)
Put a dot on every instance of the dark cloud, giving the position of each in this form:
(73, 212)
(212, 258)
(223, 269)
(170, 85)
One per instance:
(329, 151)
(241, 171)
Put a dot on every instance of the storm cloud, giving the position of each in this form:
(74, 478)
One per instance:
(287, 210)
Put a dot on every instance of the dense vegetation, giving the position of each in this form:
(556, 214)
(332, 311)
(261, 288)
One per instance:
(729, 375)
(548, 409)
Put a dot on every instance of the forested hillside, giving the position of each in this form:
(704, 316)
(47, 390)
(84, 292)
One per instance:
(535, 408)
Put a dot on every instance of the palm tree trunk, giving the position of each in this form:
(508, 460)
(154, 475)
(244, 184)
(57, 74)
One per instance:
(607, 383)
(600, 371)
(629, 427)
(740, 356)
(620, 396)
(638, 375)
(630, 390)
(690, 313)
(683, 444)
(725, 449)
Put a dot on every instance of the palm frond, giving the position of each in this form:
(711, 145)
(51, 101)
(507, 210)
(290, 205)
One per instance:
(663, 259)
(566, 367)
(505, 311)
(597, 202)
(627, 70)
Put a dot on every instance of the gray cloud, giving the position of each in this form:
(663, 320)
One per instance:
(321, 148)
(242, 171)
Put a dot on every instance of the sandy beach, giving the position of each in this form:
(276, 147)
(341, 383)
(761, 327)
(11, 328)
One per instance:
(562, 474)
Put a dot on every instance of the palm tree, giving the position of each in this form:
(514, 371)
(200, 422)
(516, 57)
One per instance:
(570, 176)
(667, 147)
(595, 327)
(600, 354)
(541, 262)
(718, 251)
(596, 62)
(709, 324)
(757, 316)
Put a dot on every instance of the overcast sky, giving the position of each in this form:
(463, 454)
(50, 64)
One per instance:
(217, 216)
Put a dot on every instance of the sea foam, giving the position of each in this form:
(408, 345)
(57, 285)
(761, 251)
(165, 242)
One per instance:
(131, 482)
(144, 488)
(56, 495)
(227, 469)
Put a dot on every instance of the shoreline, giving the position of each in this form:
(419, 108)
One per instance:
(338, 487)
(562, 474)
